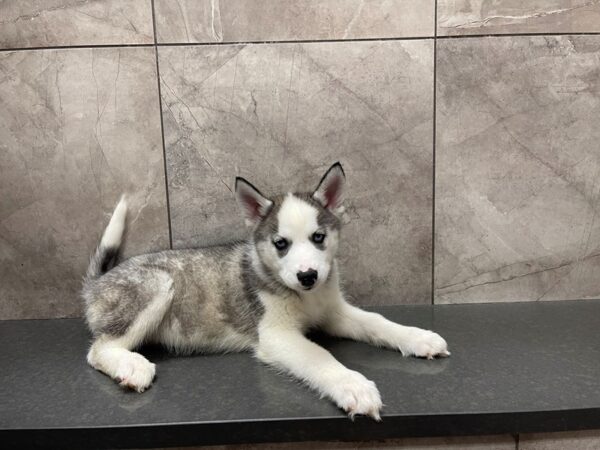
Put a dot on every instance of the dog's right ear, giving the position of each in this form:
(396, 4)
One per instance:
(255, 206)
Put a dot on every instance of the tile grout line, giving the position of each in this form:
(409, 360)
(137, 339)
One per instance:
(74, 47)
(402, 38)
(162, 129)
(433, 155)
(501, 35)
(296, 41)
(306, 41)
(203, 44)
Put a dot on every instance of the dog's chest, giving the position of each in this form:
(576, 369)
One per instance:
(312, 310)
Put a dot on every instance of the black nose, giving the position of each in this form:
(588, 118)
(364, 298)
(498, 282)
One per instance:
(308, 278)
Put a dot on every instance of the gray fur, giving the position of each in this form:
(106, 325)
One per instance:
(103, 259)
(213, 288)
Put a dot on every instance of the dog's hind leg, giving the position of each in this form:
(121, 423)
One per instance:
(114, 356)
(129, 368)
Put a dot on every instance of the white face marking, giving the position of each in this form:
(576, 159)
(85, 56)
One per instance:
(297, 221)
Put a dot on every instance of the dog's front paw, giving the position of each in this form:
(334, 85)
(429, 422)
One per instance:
(135, 372)
(356, 395)
(424, 344)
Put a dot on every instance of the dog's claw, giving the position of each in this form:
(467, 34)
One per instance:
(443, 354)
(373, 414)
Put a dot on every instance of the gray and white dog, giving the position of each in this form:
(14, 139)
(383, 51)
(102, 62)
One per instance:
(260, 295)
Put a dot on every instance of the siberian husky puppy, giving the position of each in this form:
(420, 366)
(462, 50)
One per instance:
(260, 295)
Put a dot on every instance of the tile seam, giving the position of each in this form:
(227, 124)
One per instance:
(162, 130)
(315, 41)
(433, 160)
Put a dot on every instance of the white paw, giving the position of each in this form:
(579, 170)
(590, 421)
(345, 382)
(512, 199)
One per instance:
(356, 395)
(424, 344)
(135, 372)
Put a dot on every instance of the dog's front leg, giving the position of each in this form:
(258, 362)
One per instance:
(287, 349)
(345, 320)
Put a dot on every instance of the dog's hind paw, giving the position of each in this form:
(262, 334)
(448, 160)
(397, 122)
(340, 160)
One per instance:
(135, 372)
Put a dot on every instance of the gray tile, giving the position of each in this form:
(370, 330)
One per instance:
(279, 115)
(574, 440)
(275, 20)
(505, 442)
(517, 169)
(77, 128)
(445, 443)
(31, 23)
(464, 17)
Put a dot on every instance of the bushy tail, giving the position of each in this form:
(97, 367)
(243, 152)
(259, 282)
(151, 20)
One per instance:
(107, 254)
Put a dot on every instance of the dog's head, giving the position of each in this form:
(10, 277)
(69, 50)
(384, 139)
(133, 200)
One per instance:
(296, 235)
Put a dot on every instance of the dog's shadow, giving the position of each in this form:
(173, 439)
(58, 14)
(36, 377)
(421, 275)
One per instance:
(351, 353)
(364, 357)
(157, 353)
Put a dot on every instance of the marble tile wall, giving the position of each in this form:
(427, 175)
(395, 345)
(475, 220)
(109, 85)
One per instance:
(517, 169)
(517, 165)
(78, 127)
(274, 20)
(48, 23)
(573, 440)
(280, 115)
(480, 17)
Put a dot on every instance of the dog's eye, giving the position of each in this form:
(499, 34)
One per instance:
(318, 238)
(280, 244)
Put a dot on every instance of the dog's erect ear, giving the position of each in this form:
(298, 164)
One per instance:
(329, 193)
(254, 205)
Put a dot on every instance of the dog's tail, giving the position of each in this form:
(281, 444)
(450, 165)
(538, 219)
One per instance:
(107, 254)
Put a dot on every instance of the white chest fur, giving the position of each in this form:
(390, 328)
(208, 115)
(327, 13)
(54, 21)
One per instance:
(301, 311)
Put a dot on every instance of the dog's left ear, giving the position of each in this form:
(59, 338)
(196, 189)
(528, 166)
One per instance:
(329, 193)
(255, 206)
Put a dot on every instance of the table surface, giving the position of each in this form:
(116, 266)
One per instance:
(515, 367)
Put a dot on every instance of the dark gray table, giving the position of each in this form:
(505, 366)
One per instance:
(520, 367)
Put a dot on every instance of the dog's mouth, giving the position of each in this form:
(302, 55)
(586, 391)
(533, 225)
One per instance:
(312, 287)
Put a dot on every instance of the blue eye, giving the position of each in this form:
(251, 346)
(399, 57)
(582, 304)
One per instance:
(318, 238)
(281, 244)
